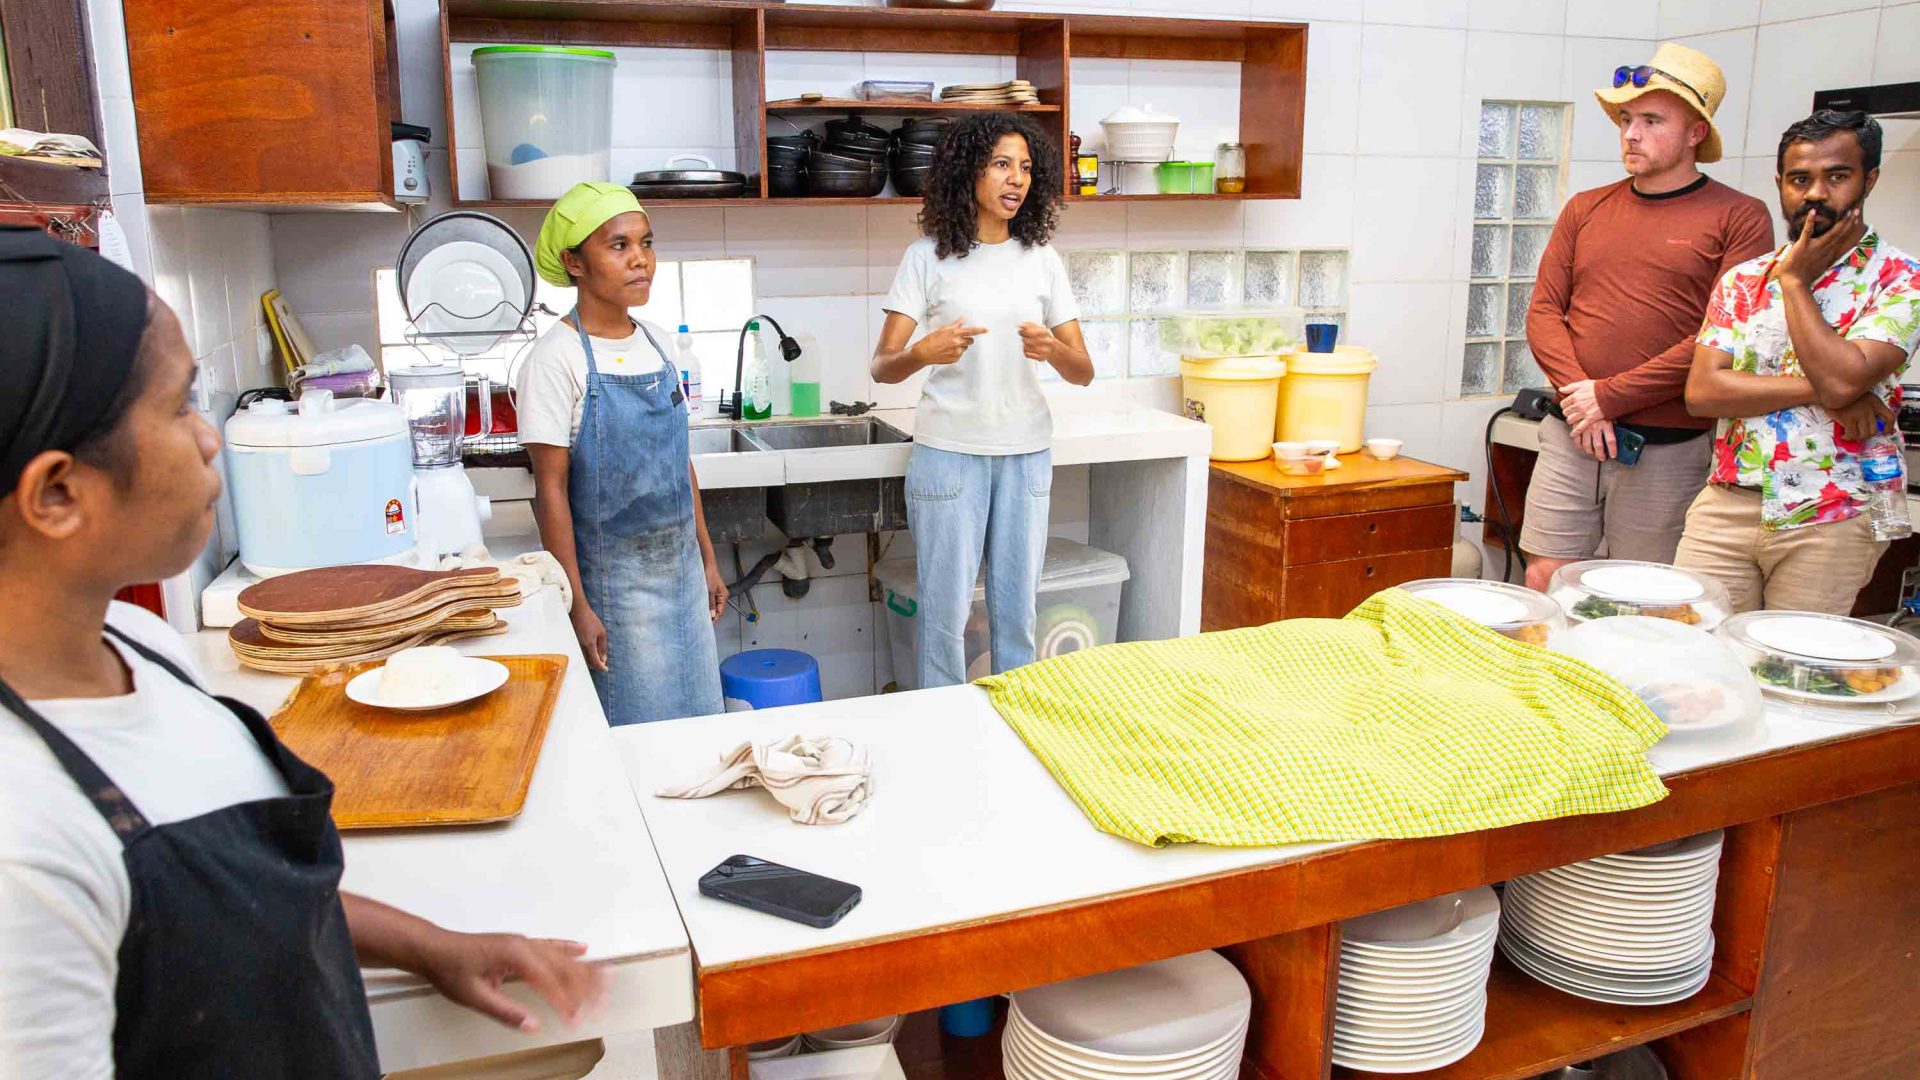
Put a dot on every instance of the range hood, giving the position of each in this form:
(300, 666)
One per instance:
(1898, 101)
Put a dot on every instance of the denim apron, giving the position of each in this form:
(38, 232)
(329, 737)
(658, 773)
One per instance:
(236, 959)
(634, 539)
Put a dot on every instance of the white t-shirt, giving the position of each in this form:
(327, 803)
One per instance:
(990, 401)
(552, 389)
(64, 895)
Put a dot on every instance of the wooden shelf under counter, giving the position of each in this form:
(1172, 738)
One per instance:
(1289, 547)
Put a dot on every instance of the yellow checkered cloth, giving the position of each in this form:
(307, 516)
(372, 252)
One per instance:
(1402, 719)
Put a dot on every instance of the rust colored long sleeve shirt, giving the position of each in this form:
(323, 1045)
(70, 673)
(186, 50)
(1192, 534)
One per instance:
(1624, 283)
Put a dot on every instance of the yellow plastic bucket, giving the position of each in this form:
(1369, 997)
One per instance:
(1324, 396)
(1236, 396)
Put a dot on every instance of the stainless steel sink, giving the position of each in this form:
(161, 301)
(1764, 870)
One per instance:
(720, 440)
(734, 515)
(814, 435)
(839, 507)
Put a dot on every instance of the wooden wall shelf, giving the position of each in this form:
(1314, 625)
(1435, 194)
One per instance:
(1272, 56)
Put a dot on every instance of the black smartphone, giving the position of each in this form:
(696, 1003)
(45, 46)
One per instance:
(780, 890)
(1628, 445)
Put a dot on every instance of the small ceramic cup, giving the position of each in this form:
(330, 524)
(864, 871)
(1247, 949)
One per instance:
(1384, 449)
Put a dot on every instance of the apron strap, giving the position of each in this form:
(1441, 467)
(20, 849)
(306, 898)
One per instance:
(125, 819)
(673, 373)
(586, 345)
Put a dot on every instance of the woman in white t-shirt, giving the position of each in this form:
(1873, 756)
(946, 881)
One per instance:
(170, 900)
(996, 304)
(602, 416)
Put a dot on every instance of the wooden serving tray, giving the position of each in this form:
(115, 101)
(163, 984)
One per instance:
(462, 765)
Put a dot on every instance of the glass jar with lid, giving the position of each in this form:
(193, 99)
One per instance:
(1230, 169)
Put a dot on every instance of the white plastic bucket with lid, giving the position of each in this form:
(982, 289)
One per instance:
(546, 117)
(1236, 396)
(1324, 396)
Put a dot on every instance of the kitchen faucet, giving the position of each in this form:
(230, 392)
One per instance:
(735, 407)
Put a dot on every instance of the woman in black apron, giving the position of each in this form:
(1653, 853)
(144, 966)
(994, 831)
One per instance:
(240, 957)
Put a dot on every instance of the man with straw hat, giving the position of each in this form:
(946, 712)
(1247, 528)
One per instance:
(1620, 293)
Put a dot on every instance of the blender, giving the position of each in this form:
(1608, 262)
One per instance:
(447, 513)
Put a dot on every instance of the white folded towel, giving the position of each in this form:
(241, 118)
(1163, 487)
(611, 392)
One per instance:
(820, 780)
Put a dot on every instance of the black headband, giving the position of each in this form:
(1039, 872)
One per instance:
(74, 322)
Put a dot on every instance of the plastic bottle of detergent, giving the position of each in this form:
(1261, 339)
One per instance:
(758, 380)
(805, 373)
(689, 369)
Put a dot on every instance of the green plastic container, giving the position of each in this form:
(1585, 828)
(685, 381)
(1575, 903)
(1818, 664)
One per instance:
(1185, 177)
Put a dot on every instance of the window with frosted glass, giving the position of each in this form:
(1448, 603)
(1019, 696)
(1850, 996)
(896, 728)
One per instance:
(1520, 180)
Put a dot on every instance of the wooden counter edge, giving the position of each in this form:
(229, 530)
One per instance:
(764, 999)
(1357, 473)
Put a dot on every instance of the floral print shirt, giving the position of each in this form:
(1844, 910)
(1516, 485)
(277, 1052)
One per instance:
(1805, 468)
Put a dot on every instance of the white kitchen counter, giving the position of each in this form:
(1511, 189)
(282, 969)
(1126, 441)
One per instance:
(1087, 429)
(577, 863)
(965, 825)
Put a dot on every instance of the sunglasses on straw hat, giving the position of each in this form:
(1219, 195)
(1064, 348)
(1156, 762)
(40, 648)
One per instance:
(1639, 76)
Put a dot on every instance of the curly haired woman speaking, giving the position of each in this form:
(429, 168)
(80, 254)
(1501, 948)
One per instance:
(994, 300)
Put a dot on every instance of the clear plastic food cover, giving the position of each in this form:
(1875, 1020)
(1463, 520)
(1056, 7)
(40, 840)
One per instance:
(1690, 679)
(1825, 659)
(1602, 588)
(1519, 613)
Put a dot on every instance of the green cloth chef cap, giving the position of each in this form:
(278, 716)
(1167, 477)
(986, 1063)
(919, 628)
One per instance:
(580, 211)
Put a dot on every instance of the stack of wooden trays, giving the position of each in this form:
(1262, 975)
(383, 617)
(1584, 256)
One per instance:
(1014, 92)
(298, 623)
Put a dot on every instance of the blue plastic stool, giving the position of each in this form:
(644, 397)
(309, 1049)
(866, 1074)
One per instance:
(768, 679)
(968, 1019)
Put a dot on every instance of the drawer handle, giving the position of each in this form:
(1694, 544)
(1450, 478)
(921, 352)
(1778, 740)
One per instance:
(1372, 527)
(1369, 570)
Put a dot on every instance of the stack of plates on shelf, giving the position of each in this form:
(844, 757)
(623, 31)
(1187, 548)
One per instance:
(1413, 983)
(1185, 1017)
(1014, 92)
(1629, 929)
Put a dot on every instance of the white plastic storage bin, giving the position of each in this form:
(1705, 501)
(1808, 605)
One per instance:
(1079, 607)
(546, 117)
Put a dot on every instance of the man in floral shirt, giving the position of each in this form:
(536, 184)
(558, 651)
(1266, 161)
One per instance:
(1800, 357)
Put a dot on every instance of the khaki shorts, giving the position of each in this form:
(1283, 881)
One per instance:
(1575, 504)
(1819, 567)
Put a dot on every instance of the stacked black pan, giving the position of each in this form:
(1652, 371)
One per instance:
(913, 144)
(787, 162)
(854, 160)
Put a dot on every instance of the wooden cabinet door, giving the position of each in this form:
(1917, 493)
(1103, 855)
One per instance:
(267, 101)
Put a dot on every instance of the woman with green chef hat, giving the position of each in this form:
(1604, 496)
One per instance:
(602, 416)
(170, 901)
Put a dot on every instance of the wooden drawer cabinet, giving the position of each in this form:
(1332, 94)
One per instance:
(1287, 547)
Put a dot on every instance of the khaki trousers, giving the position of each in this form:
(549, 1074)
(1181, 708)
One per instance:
(1819, 567)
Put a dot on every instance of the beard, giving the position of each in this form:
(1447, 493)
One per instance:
(1825, 217)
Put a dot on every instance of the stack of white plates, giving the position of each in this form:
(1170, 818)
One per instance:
(1413, 983)
(1185, 1017)
(1629, 929)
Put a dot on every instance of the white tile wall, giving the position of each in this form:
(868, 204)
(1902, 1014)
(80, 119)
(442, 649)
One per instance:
(1896, 59)
(1622, 18)
(1678, 18)
(1800, 58)
(1410, 84)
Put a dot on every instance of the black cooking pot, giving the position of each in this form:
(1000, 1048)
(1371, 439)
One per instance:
(846, 183)
(786, 182)
(854, 126)
(857, 144)
(911, 181)
(834, 159)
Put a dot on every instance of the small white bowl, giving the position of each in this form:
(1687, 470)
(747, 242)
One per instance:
(1385, 449)
(1289, 449)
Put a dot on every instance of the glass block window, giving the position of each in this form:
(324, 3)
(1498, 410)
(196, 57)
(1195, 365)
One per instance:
(1124, 294)
(1520, 180)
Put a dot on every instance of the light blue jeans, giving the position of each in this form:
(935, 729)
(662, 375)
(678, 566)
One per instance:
(961, 506)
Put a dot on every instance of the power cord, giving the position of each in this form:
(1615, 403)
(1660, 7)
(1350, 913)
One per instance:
(1507, 536)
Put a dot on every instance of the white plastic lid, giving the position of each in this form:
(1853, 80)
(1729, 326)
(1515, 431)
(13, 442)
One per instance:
(1067, 565)
(1139, 114)
(1599, 588)
(322, 420)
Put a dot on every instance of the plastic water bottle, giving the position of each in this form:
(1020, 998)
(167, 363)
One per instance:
(689, 369)
(1883, 466)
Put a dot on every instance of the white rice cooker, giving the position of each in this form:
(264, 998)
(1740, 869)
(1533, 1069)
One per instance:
(326, 484)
